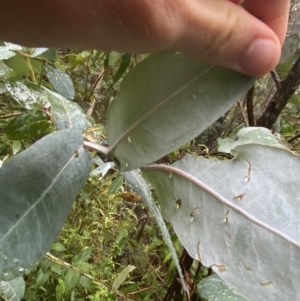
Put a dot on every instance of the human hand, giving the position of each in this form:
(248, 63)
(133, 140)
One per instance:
(247, 39)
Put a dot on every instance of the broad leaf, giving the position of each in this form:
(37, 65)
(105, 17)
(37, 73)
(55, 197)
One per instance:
(239, 217)
(12, 290)
(246, 135)
(289, 49)
(29, 124)
(38, 51)
(6, 53)
(122, 276)
(27, 94)
(213, 288)
(71, 279)
(66, 114)
(37, 191)
(165, 101)
(142, 188)
(60, 81)
(19, 64)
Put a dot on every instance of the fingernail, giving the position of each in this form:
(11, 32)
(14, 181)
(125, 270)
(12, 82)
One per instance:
(261, 57)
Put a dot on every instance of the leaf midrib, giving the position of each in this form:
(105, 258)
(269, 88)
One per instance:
(155, 108)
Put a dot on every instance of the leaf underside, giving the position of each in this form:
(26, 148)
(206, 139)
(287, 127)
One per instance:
(228, 214)
(37, 190)
(165, 101)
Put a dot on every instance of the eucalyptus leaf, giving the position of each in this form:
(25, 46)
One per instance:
(66, 114)
(4, 70)
(29, 124)
(239, 217)
(37, 191)
(12, 290)
(27, 94)
(289, 49)
(165, 101)
(214, 288)
(6, 53)
(135, 179)
(246, 135)
(38, 51)
(60, 81)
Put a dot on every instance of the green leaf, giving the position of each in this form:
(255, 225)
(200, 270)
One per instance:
(238, 217)
(60, 81)
(213, 288)
(58, 247)
(126, 59)
(66, 114)
(19, 64)
(122, 276)
(4, 71)
(16, 147)
(295, 99)
(60, 290)
(12, 290)
(289, 49)
(283, 69)
(27, 94)
(37, 191)
(248, 135)
(71, 279)
(165, 101)
(84, 256)
(114, 56)
(29, 124)
(115, 185)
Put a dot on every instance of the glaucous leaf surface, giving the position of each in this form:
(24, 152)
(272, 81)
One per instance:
(61, 81)
(37, 191)
(165, 101)
(12, 290)
(27, 94)
(142, 188)
(6, 53)
(66, 114)
(289, 49)
(240, 217)
(29, 124)
(214, 288)
(38, 51)
(246, 135)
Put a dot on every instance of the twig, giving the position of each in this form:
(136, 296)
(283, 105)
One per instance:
(285, 90)
(243, 113)
(97, 85)
(276, 78)
(97, 147)
(10, 115)
(250, 95)
(293, 138)
(96, 280)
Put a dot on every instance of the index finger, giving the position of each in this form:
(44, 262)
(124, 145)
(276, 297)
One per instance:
(274, 13)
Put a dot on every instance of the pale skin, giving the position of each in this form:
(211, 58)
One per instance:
(247, 39)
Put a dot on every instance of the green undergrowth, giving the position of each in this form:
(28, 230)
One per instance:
(102, 236)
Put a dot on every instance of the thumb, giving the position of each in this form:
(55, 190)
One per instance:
(224, 33)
